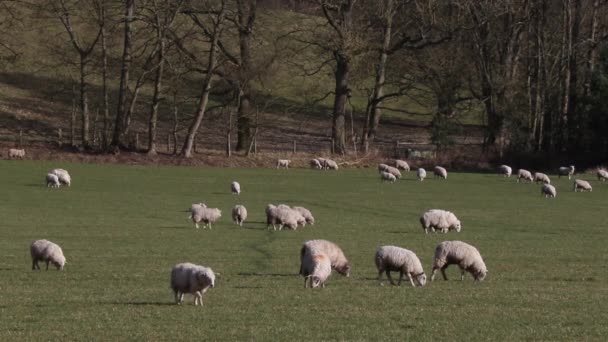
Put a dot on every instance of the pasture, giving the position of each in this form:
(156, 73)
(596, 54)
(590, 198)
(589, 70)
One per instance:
(122, 228)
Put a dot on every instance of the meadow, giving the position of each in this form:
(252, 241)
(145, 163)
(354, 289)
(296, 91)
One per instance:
(122, 228)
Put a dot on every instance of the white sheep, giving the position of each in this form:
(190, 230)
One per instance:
(235, 188)
(47, 251)
(52, 180)
(239, 214)
(193, 279)
(437, 219)
(394, 171)
(582, 185)
(284, 163)
(63, 175)
(382, 167)
(316, 268)
(439, 171)
(397, 259)
(322, 161)
(525, 175)
(565, 171)
(602, 175)
(462, 254)
(306, 214)
(286, 216)
(421, 174)
(402, 165)
(387, 177)
(505, 170)
(333, 251)
(316, 164)
(331, 165)
(548, 190)
(205, 215)
(541, 177)
(16, 153)
(271, 216)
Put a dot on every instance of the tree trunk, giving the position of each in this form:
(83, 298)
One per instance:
(340, 100)
(156, 99)
(246, 19)
(84, 102)
(104, 72)
(592, 52)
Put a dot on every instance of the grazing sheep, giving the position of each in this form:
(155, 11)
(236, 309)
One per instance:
(331, 165)
(394, 171)
(525, 175)
(392, 258)
(505, 170)
(286, 216)
(63, 175)
(52, 180)
(284, 163)
(16, 153)
(402, 165)
(382, 167)
(316, 164)
(462, 254)
(306, 214)
(582, 185)
(271, 216)
(387, 177)
(239, 214)
(565, 171)
(602, 175)
(440, 172)
(541, 177)
(333, 251)
(316, 268)
(235, 187)
(421, 174)
(322, 161)
(548, 190)
(47, 251)
(437, 219)
(205, 215)
(193, 279)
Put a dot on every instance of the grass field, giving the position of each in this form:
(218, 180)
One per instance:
(122, 228)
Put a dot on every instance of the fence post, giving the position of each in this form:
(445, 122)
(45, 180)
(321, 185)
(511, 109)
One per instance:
(21, 138)
(396, 148)
(136, 140)
(59, 137)
(332, 145)
(255, 145)
(228, 149)
(294, 146)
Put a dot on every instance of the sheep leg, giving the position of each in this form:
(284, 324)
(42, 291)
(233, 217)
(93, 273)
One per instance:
(462, 271)
(400, 278)
(47, 265)
(209, 229)
(445, 277)
(388, 275)
(176, 295)
(35, 265)
(380, 276)
(196, 225)
(433, 274)
(181, 297)
(409, 276)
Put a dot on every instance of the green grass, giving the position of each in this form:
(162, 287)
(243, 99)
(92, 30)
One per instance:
(122, 228)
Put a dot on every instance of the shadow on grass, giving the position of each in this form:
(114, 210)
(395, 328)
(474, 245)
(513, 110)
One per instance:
(141, 303)
(251, 274)
(177, 227)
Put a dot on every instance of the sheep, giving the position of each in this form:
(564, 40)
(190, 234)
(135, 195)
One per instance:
(316, 268)
(63, 175)
(421, 174)
(565, 171)
(283, 215)
(190, 278)
(315, 164)
(525, 175)
(505, 170)
(331, 165)
(602, 175)
(382, 167)
(235, 187)
(548, 190)
(402, 165)
(387, 177)
(322, 161)
(582, 185)
(392, 258)
(271, 216)
(283, 163)
(306, 214)
(52, 180)
(440, 172)
(49, 252)
(462, 254)
(541, 177)
(205, 215)
(239, 214)
(333, 251)
(16, 153)
(394, 171)
(437, 219)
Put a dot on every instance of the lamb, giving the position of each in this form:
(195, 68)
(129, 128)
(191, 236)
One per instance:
(239, 214)
(548, 190)
(541, 177)
(437, 219)
(382, 167)
(402, 165)
(392, 258)
(49, 252)
(283, 163)
(602, 175)
(63, 175)
(421, 174)
(193, 279)
(333, 251)
(440, 172)
(306, 214)
(525, 175)
(505, 170)
(16, 153)
(462, 254)
(316, 164)
(582, 185)
(52, 180)
(316, 268)
(330, 164)
(565, 171)
(235, 187)
(394, 171)
(205, 215)
(387, 177)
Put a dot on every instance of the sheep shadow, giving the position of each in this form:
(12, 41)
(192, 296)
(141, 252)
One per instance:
(36, 185)
(255, 274)
(177, 227)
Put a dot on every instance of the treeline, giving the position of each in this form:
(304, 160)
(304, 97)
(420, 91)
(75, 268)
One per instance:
(537, 70)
